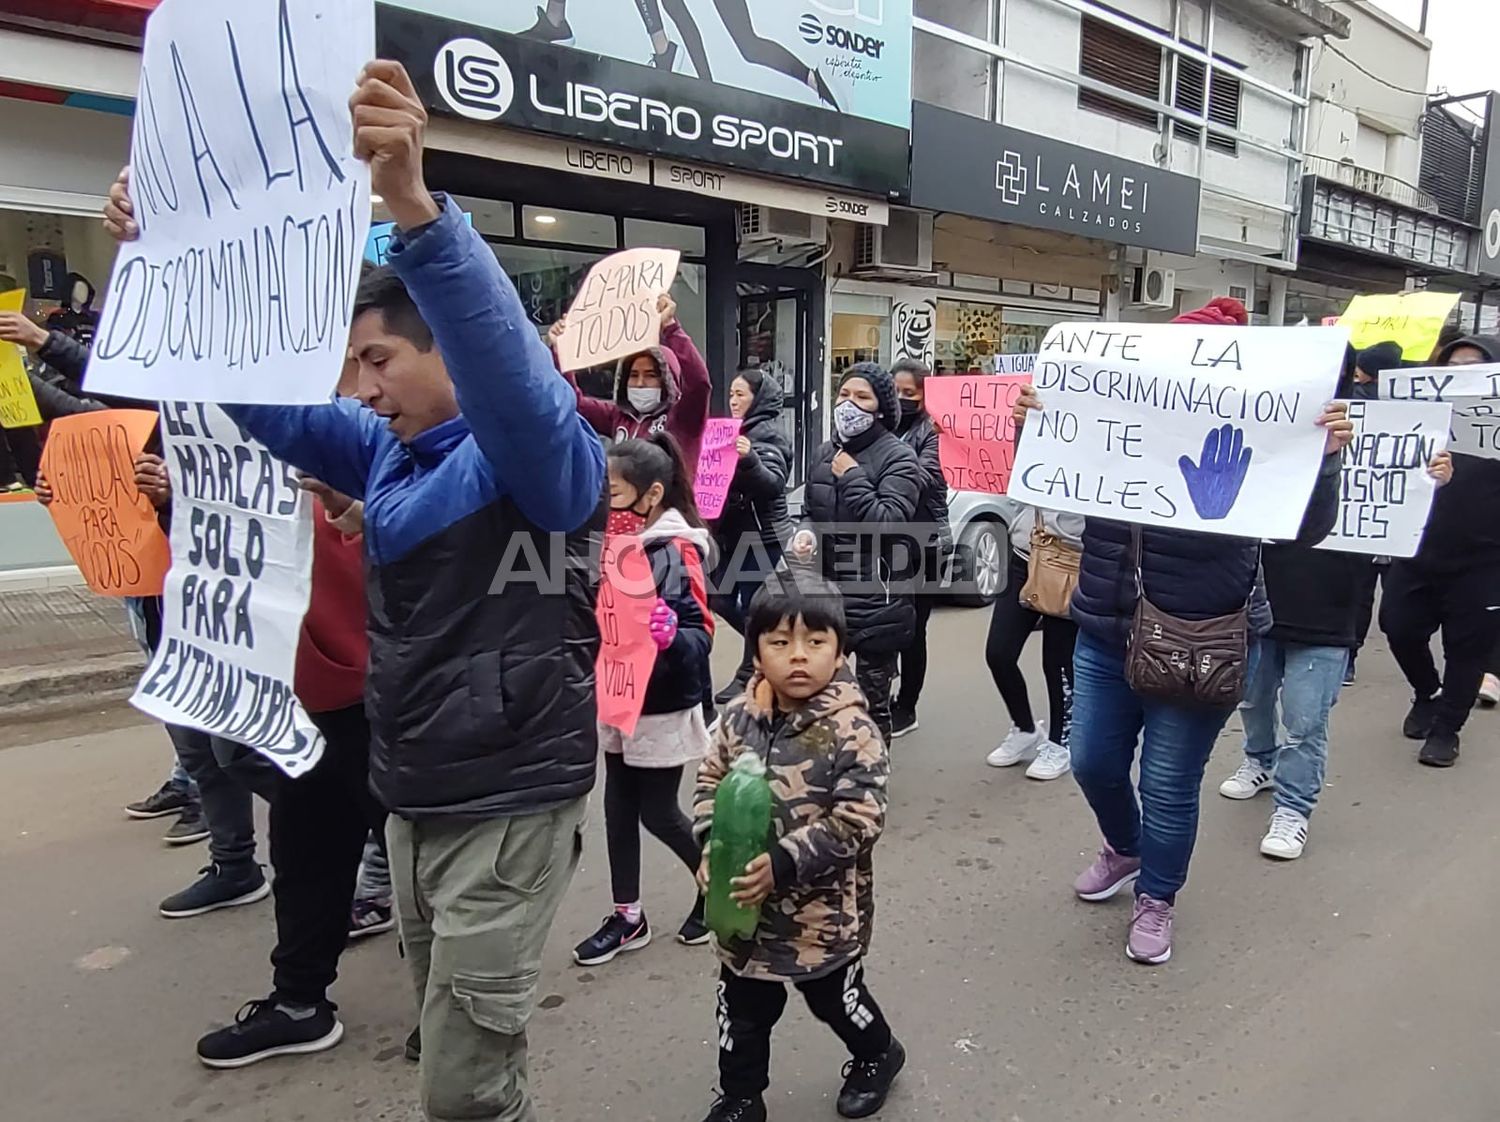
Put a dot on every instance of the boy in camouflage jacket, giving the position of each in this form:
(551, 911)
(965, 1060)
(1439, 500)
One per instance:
(804, 715)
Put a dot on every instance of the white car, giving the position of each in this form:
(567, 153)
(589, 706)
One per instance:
(981, 534)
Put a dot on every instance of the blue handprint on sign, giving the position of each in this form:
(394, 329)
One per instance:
(1214, 482)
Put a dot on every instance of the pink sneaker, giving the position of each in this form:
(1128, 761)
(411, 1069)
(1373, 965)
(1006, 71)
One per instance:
(1107, 875)
(1150, 931)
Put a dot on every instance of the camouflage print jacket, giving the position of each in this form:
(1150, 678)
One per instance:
(827, 765)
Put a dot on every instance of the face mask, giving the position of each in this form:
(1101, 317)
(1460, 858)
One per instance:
(849, 420)
(910, 408)
(643, 399)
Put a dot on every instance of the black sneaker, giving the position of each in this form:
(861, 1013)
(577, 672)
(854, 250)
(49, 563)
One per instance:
(615, 934)
(370, 917)
(903, 721)
(217, 888)
(413, 1049)
(545, 31)
(190, 827)
(737, 1110)
(169, 798)
(1349, 674)
(693, 932)
(1440, 750)
(271, 1027)
(1420, 719)
(867, 1082)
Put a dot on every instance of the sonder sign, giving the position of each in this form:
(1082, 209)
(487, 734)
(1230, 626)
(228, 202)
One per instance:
(969, 166)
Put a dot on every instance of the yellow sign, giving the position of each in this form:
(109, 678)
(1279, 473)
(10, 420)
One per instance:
(17, 403)
(1412, 319)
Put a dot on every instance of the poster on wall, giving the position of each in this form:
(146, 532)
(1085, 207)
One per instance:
(805, 89)
(1201, 428)
(913, 330)
(253, 210)
(236, 592)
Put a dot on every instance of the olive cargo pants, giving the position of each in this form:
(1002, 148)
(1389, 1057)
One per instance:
(476, 899)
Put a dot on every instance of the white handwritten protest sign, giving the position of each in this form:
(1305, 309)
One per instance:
(1474, 392)
(252, 208)
(614, 313)
(1387, 493)
(1014, 364)
(1195, 427)
(236, 592)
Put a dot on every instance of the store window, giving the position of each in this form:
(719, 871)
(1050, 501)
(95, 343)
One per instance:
(860, 332)
(49, 255)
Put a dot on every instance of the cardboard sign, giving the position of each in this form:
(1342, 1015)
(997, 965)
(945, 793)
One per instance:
(717, 460)
(1474, 392)
(109, 527)
(1412, 319)
(976, 435)
(252, 207)
(242, 539)
(627, 653)
(1386, 491)
(614, 313)
(1196, 427)
(17, 403)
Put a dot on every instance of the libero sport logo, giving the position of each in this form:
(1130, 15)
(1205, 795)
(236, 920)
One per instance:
(473, 79)
(815, 30)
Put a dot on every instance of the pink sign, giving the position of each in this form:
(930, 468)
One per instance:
(976, 435)
(716, 463)
(627, 653)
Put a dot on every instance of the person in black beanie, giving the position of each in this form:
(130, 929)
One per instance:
(863, 487)
(1452, 585)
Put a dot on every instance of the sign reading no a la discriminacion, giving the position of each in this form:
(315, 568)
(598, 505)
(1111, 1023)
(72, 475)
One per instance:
(1202, 428)
(236, 593)
(252, 208)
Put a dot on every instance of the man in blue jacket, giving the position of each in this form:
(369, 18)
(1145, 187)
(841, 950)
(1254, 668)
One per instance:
(474, 466)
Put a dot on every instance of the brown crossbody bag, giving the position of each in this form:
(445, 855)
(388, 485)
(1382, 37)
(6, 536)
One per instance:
(1051, 573)
(1186, 662)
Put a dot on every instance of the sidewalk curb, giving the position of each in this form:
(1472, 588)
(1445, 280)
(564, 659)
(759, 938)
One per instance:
(37, 690)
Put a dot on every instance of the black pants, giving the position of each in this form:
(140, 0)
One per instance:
(636, 797)
(875, 674)
(1011, 624)
(749, 1010)
(1465, 607)
(319, 823)
(1368, 580)
(913, 660)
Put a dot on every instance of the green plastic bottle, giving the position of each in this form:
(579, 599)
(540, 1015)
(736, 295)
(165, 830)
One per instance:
(742, 822)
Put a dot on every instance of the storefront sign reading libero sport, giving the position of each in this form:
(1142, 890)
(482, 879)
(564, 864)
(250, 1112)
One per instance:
(817, 90)
(969, 166)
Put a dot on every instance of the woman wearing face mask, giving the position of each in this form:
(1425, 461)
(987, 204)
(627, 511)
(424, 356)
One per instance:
(661, 389)
(651, 498)
(862, 493)
(916, 428)
(754, 526)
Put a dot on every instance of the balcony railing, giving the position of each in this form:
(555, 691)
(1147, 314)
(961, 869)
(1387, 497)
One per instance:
(1378, 183)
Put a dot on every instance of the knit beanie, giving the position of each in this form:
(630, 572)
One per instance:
(885, 390)
(1224, 310)
(1379, 356)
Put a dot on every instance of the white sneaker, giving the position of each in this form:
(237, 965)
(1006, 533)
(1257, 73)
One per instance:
(1286, 836)
(1052, 760)
(1250, 780)
(1489, 692)
(1017, 745)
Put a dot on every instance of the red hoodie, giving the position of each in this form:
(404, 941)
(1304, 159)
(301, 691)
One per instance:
(685, 394)
(333, 650)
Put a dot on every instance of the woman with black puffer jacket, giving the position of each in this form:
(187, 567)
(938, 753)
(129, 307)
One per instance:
(1194, 577)
(752, 530)
(863, 488)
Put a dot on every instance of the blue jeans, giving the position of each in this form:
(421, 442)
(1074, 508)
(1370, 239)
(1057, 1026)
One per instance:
(1308, 680)
(1109, 719)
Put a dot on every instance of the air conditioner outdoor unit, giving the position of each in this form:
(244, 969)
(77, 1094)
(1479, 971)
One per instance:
(1153, 287)
(903, 247)
(766, 224)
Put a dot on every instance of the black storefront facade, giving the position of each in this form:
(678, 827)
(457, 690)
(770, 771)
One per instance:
(556, 179)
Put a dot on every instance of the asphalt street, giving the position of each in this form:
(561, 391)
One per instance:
(1359, 982)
